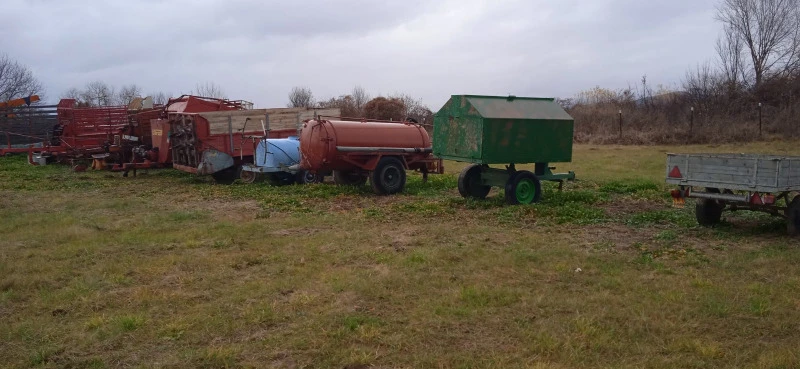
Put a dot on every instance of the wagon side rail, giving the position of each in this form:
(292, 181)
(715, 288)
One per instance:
(755, 173)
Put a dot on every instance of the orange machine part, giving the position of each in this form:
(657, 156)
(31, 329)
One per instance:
(159, 129)
(19, 102)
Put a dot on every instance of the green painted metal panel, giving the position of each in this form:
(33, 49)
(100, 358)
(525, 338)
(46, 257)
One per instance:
(502, 130)
(526, 141)
(457, 131)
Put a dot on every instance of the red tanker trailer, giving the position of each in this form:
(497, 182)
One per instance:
(357, 150)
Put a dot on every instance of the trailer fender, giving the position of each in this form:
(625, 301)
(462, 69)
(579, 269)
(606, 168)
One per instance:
(214, 161)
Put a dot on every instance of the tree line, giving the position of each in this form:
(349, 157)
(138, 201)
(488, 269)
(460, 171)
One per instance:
(359, 104)
(751, 89)
(99, 93)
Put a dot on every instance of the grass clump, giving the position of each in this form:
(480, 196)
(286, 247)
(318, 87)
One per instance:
(629, 187)
(682, 218)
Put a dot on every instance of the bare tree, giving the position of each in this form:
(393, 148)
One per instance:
(160, 98)
(301, 97)
(414, 109)
(127, 93)
(731, 62)
(73, 93)
(16, 80)
(210, 89)
(360, 98)
(768, 29)
(97, 93)
(382, 108)
(345, 104)
(646, 94)
(702, 90)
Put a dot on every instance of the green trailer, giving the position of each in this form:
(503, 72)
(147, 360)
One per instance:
(509, 130)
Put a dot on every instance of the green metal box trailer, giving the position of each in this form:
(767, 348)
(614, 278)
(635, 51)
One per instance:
(486, 130)
(498, 129)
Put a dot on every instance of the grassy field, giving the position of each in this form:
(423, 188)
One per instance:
(168, 270)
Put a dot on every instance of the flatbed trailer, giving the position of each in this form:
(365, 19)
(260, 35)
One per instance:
(734, 182)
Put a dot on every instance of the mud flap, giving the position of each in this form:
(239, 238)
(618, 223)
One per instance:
(214, 161)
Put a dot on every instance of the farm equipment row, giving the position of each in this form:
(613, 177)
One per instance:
(230, 141)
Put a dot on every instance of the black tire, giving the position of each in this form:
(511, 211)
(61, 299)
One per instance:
(523, 188)
(306, 177)
(793, 217)
(469, 183)
(708, 212)
(789, 199)
(281, 179)
(389, 176)
(348, 178)
(226, 176)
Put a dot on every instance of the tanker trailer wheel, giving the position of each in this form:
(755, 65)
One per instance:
(348, 178)
(281, 179)
(523, 188)
(793, 217)
(469, 183)
(247, 176)
(306, 177)
(226, 176)
(389, 176)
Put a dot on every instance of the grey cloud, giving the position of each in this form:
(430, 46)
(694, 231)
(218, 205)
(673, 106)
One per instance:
(431, 49)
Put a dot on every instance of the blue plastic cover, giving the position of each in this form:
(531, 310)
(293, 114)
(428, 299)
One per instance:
(278, 152)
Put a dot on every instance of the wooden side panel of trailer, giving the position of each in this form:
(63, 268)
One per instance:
(249, 121)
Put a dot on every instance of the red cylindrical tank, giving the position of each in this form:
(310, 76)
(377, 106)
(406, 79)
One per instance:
(322, 141)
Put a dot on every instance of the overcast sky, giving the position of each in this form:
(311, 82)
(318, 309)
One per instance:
(258, 50)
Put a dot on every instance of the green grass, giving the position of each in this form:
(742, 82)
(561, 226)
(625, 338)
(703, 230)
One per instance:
(169, 270)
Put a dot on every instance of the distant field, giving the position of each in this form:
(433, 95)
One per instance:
(168, 270)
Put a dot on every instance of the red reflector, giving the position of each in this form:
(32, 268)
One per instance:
(769, 199)
(675, 173)
(755, 199)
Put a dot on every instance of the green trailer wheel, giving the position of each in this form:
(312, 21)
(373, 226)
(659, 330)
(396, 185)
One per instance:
(524, 188)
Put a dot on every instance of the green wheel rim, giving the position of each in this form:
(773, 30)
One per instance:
(526, 191)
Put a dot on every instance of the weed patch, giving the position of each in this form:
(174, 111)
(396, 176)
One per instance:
(682, 218)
